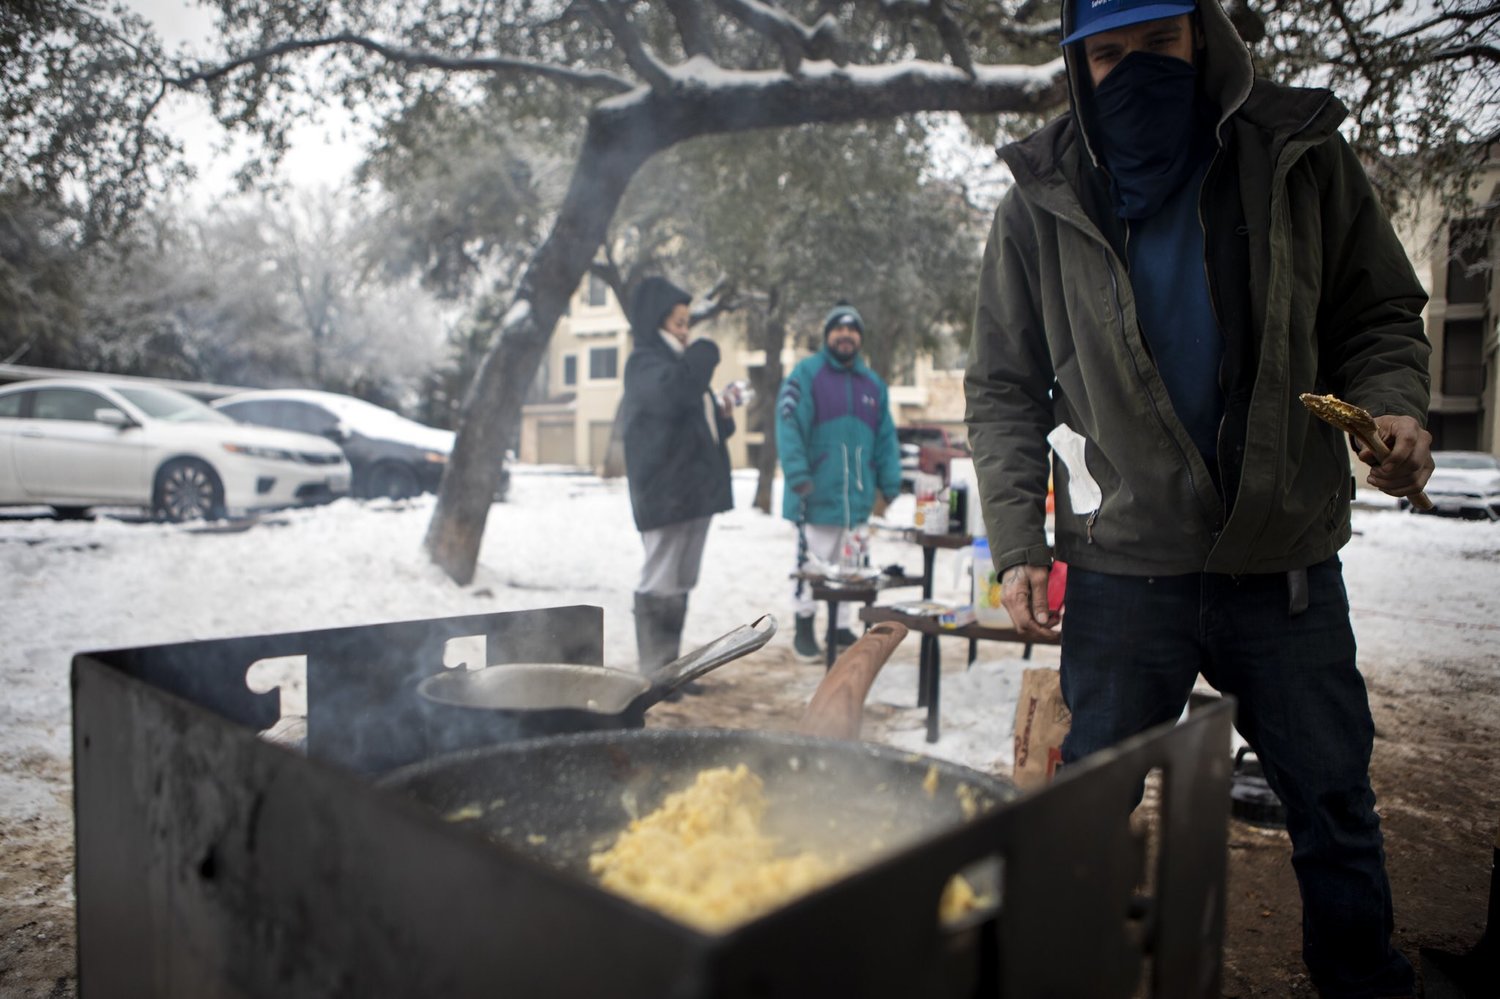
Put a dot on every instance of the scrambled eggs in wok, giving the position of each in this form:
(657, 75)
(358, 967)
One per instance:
(705, 859)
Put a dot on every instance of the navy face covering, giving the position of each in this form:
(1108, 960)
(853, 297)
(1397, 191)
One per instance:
(1152, 128)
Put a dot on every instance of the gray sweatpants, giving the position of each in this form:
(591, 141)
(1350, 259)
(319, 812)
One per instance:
(673, 555)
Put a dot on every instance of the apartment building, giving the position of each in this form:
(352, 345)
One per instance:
(571, 418)
(1457, 259)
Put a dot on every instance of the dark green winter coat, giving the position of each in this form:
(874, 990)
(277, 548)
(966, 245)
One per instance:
(1313, 293)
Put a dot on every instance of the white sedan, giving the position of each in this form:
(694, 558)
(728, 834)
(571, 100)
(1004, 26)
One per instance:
(1466, 483)
(77, 443)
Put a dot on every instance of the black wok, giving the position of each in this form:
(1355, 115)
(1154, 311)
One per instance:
(512, 701)
(559, 799)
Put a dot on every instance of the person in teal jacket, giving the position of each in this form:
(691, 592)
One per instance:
(838, 449)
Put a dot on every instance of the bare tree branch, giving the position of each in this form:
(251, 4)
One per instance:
(594, 79)
(692, 27)
(1356, 49)
(936, 12)
(789, 34)
(1476, 51)
(646, 65)
(1462, 16)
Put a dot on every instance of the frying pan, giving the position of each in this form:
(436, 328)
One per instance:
(523, 700)
(559, 799)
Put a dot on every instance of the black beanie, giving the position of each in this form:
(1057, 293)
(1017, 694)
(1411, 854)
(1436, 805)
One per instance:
(843, 314)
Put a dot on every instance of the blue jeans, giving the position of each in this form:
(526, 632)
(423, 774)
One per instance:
(1132, 647)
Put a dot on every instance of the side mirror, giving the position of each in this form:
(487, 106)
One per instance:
(338, 433)
(111, 417)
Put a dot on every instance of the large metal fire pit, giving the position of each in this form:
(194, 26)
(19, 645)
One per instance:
(213, 862)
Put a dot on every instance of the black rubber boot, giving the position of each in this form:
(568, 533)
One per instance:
(656, 640)
(805, 642)
(845, 638)
(658, 634)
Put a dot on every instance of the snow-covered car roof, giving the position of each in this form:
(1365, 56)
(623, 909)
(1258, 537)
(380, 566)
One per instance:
(360, 416)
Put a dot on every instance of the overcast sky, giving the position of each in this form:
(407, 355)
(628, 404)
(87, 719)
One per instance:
(321, 154)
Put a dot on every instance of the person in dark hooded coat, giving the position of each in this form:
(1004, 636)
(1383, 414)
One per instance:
(1180, 258)
(675, 460)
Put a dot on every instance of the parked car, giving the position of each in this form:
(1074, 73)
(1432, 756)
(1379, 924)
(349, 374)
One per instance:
(929, 449)
(1466, 483)
(72, 444)
(390, 455)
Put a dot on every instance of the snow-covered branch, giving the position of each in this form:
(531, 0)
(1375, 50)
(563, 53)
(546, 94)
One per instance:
(588, 78)
(646, 65)
(795, 39)
(705, 98)
(936, 12)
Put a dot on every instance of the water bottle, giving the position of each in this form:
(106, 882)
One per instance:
(738, 393)
(989, 612)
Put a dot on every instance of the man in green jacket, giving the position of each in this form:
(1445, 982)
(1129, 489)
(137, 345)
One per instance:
(1180, 257)
(838, 450)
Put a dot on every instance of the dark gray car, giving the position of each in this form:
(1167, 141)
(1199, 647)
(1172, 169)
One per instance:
(389, 454)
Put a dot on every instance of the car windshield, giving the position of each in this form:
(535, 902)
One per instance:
(171, 405)
(1480, 461)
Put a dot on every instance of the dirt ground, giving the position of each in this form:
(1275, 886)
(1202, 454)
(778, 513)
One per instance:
(1435, 770)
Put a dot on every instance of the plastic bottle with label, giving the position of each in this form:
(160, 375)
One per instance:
(989, 612)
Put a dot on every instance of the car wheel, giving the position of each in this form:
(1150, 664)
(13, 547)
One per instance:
(70, 512)
(188, 490)
(395, 481)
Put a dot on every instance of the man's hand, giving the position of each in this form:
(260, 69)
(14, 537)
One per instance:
(881, 502)
(803, 488)
(1409, 465)
(1023, 591)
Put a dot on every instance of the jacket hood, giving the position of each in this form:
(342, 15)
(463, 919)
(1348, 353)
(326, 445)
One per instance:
(653, 299)
(1227, 77)
(1225, 72)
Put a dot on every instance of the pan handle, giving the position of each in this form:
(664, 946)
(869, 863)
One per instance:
(740, 642)
(838, 705)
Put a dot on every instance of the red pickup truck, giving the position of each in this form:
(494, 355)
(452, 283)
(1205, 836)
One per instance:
(929, 448)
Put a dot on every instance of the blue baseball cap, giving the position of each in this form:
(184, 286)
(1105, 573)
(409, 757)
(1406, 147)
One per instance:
(1093, 16)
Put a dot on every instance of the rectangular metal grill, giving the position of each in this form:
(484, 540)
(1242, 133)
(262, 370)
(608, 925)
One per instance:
(213, 862)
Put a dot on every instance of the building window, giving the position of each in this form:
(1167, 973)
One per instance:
(570, 369)
(1463, 357)
(598, 292)
(1468, 262)
(1454, 431)
(604, 363)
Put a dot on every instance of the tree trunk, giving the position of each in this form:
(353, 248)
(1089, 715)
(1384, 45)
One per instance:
(614, 451)
(614, 147)
(773, 338)
(623, 132)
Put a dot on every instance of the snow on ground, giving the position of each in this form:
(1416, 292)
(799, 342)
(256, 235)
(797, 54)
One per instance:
(566, 538)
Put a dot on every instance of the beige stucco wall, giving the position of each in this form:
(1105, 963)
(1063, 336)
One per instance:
(1424, 232)
(590, 403)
